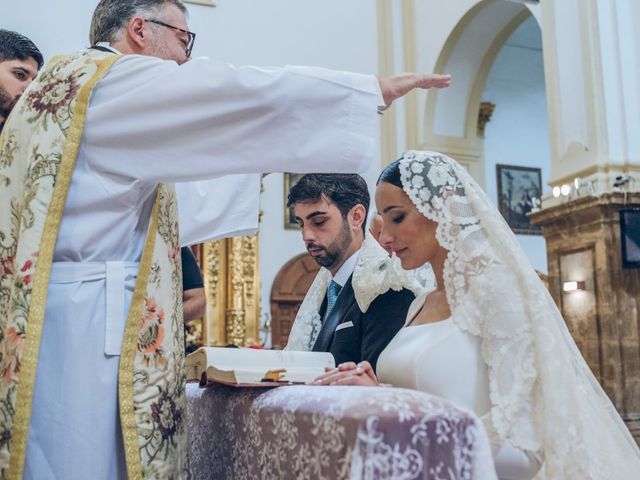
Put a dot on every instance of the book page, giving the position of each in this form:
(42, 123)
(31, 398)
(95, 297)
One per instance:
(245, 365)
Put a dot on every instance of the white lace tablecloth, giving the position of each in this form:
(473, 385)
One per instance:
(307, 432)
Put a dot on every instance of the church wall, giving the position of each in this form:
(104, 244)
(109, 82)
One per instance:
(55, 27)
(518, 131)
(592, 73)
(472, 41)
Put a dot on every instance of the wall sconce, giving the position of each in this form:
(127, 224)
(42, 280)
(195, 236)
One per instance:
(573, 286)
(564, 190)
(580, 187)
(574, 190)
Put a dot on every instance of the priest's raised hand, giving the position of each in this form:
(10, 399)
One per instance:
(397, 86)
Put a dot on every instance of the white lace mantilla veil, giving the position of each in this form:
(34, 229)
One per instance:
(544, 397)
(374, 274)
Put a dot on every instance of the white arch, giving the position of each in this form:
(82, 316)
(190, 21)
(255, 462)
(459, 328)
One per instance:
(449, 119)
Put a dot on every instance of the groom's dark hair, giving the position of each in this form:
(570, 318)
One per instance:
(345, 191)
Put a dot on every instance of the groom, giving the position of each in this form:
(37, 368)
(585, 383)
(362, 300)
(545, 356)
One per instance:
(360, 298)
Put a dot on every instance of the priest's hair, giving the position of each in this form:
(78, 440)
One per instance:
(111, 16)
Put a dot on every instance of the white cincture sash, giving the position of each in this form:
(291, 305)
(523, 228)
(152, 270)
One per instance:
(117, 276)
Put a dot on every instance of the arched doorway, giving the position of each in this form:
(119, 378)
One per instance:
(494, 52)
(289, 288)
(448, 120)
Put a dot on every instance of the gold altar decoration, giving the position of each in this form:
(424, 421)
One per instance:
(232, 288)
(484, 116)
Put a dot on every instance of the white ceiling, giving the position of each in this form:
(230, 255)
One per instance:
(527, 35)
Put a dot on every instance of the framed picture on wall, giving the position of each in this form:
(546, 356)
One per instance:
(290, 179)
(518, 189)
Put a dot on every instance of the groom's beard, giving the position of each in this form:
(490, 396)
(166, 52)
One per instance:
(334, 252)
(6, 103)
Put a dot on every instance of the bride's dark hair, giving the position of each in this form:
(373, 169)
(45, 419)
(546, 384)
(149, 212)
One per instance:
(391, 174)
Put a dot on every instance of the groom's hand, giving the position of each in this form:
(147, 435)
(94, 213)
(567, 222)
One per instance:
(397, 86)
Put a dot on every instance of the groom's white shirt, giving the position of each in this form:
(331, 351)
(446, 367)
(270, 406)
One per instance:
(344, 272)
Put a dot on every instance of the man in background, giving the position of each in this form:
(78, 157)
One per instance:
(194, 303)
(20, 61)
(360, 298)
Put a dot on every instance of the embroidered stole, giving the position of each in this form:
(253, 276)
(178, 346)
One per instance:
(38, 149)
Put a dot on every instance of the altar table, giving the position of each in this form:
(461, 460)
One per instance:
(312, 432)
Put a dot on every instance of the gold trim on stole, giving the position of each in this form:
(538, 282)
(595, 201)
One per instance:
(26, 384)
(128, 353)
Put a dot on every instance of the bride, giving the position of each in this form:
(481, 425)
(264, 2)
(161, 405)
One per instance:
(489, 337)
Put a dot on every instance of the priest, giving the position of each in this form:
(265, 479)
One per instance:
(91, 321)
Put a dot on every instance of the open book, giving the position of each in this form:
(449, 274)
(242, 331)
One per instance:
(251, 367)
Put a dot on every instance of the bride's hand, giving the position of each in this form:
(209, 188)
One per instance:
(349, 374)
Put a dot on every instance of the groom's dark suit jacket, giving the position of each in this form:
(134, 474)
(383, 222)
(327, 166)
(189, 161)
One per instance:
(371, 331)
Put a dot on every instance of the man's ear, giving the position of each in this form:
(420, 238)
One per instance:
(358, 216)
(137, 31)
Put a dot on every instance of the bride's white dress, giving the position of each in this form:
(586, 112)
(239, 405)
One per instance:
(544, 397)
(440, 359)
